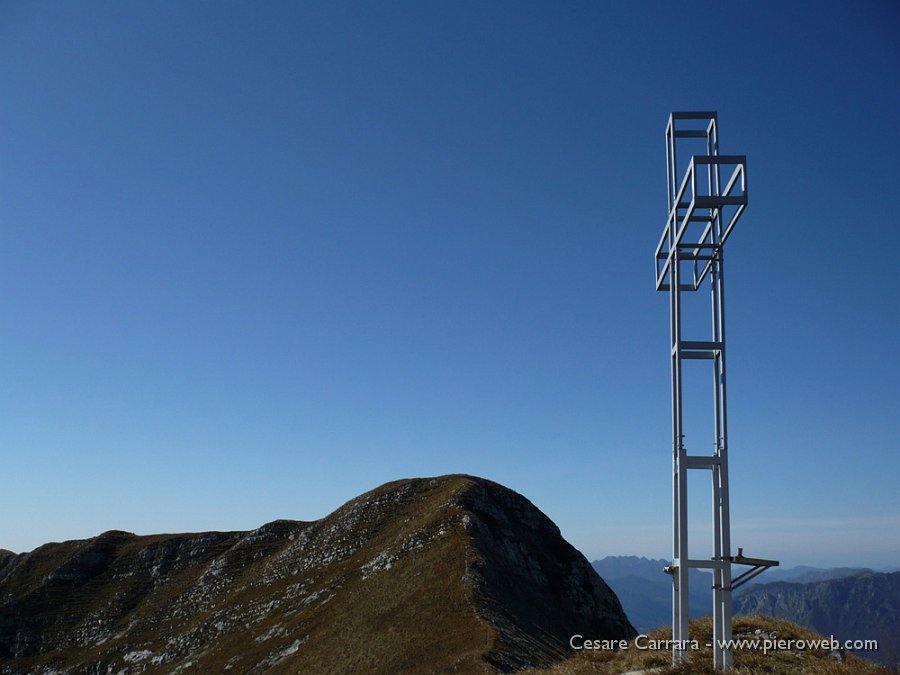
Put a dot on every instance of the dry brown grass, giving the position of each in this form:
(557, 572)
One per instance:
(386, 584)
(420, 614)
(747, 662)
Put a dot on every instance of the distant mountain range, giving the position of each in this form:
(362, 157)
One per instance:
(645, 591)
(847, 602)
(859, 606)
(803, 574)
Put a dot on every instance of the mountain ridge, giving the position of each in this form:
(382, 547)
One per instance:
(456, 571)
(848, 602)
(857, 606)
(645, 591)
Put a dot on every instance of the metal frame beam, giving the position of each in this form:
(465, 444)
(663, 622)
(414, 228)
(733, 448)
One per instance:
(699, 196)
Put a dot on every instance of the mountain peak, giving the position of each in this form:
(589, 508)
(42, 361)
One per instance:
(456, 572)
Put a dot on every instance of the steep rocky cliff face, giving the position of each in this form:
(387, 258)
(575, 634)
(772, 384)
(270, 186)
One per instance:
(446, 574)
(861, 606)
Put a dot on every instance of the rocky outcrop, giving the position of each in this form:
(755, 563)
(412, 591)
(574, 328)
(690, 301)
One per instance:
(529, 581)
(447, 574)
(861, 606)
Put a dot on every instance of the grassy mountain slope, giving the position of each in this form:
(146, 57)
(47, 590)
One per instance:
(746, 661)
(453, 574)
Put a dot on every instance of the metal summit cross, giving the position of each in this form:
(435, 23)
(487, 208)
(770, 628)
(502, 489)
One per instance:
(702, 214)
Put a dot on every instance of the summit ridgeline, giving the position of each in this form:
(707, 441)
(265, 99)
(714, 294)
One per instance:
(455, 573)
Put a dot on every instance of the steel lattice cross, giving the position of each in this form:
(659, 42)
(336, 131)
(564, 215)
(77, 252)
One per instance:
(702, 212)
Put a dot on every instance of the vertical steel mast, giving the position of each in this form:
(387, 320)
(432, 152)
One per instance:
(702, 213)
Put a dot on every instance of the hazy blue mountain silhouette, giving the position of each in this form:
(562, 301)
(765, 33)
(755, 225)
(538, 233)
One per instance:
(803, 574)
(859, 606)
(645, 591)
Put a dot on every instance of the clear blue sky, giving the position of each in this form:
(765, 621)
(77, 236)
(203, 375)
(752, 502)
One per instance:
(257, 258)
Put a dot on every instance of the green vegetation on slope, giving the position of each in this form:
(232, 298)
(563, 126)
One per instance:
(451, 574)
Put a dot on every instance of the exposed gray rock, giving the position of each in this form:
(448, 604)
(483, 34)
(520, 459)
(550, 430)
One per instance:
(452, 573)
(860, 606)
